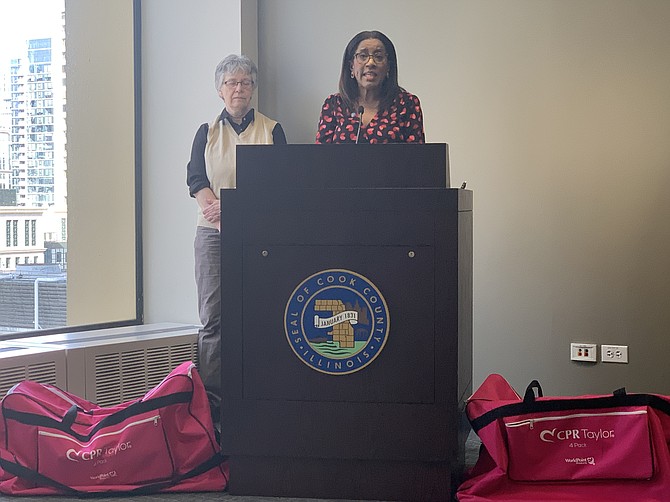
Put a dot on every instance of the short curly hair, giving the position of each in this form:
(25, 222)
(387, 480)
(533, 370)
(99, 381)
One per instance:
(233, 64)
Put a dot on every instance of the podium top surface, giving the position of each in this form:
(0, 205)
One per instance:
(396, 165)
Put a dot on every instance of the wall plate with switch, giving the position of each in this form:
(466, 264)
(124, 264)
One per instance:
(614, 353)
(583, 352)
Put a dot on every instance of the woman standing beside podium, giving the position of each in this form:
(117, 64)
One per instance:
(211, 168)
(371, 107)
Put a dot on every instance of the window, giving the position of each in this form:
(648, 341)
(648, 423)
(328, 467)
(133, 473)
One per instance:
(36, 73)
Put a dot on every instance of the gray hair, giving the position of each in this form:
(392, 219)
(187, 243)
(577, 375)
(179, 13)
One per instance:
(233, 64)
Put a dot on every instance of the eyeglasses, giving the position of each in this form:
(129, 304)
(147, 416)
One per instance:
(232, 84)
(364, 57)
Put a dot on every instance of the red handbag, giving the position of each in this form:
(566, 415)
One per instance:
(587, 448)
(52, 442)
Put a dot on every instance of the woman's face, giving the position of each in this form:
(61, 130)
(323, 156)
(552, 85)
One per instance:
(370, 65)
(236, 92)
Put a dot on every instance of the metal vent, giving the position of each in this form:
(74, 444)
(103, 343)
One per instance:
(42, 373)
(133, 374)
(158, 365)
(122, 376)
(108, 366)
(10, 377)
(20, 361)
(108, 376)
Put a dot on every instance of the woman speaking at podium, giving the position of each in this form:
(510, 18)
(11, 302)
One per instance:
(371, 107)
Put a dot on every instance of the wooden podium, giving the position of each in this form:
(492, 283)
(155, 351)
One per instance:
(346, 322)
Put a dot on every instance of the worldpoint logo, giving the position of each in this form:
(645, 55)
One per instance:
(336, 321)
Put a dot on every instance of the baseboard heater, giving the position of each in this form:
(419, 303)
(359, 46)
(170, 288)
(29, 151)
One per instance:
(107, 366)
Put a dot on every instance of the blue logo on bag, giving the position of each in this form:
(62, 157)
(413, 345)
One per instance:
(336, 321)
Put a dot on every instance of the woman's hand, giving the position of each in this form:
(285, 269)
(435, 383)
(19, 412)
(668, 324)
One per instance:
(212, 210)
(210, 205)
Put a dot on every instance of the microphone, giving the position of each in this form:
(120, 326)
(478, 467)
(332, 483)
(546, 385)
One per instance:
(360, 119)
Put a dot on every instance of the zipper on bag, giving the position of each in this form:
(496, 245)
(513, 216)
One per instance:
(153, 419)
(531, 421)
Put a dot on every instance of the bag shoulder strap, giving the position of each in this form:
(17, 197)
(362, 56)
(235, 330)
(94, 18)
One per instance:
(530, 405)
(42, 480)
(37, 478)
(213, 461)
(65, 424)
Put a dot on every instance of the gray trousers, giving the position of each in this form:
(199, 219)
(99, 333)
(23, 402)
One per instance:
(207, 252)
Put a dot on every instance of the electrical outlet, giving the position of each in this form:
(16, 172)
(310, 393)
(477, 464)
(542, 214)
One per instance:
(614, 353)
(583, 352)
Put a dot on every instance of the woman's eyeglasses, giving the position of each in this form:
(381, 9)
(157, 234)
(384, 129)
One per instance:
(364, 57)
(232, 84)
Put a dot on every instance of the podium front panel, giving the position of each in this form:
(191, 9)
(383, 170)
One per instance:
(283, 415)
(403, 370)
(390, 237)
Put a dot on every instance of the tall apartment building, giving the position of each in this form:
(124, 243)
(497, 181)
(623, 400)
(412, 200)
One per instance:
(33, 187)
(5, 169)
(37, 134)
(5, 119)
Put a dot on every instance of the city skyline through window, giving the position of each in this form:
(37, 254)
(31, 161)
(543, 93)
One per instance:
(33, 186)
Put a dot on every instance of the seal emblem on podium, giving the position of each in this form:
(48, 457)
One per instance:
(337, 321)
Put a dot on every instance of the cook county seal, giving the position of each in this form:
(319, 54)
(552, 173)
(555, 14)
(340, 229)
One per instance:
(336, 321)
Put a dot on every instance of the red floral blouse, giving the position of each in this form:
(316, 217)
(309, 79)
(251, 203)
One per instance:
(401, 123)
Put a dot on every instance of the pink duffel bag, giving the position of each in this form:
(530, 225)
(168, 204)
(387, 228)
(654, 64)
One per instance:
(52, 442)
(587, 448)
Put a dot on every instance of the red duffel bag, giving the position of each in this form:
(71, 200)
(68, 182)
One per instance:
(52, 442)
(588, 448)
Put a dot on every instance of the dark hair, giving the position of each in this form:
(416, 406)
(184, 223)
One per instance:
(349, 86)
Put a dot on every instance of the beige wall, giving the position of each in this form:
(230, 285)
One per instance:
(557, 114)
(101, 161)
(182, 44)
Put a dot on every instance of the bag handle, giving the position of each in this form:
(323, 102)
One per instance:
(533, 387)
(70, 416)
